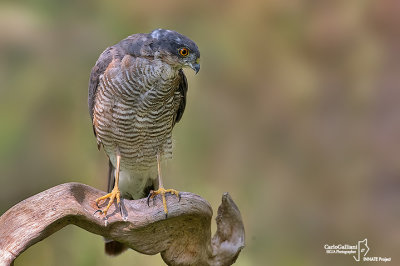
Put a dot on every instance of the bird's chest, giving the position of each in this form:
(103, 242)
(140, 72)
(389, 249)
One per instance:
(135, 114)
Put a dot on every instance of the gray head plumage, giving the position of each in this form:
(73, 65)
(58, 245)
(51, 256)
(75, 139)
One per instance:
(172, 40)
(164, 44)
(176, 45)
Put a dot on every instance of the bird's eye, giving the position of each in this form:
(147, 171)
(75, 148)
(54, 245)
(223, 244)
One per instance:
(184, 51)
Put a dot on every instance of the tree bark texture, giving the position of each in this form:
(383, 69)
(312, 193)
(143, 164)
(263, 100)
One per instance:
(184, 238)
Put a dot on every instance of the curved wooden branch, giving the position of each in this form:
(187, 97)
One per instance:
(184, 238)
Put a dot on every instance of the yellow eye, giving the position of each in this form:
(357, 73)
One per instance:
(184, 51)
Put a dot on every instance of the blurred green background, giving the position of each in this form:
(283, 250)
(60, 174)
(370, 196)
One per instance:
(295, 112)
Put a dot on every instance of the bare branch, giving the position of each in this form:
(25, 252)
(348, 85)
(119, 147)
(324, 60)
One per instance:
(182, 239)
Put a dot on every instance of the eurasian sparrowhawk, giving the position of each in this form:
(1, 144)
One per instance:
(137, 93)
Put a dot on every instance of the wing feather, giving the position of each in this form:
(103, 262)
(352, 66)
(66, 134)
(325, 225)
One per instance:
(183, 87)
(99, 68)
(131, 45)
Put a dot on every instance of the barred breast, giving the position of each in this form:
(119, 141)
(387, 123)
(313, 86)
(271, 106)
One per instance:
(134, 110)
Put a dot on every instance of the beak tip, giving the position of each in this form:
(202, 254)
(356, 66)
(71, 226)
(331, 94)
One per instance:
(197, 68)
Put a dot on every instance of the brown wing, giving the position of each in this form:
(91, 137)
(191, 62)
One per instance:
(99, 68)
(183, 87)
(131, 45)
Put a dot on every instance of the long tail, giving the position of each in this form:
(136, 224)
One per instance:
(114, 248)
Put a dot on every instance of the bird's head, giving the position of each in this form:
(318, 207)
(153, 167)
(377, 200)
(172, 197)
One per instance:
(175, 48)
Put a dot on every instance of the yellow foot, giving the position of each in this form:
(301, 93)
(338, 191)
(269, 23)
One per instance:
(162, 191)
(115, 193)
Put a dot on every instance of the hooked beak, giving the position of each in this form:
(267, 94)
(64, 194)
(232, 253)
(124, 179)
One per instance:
(196, 65)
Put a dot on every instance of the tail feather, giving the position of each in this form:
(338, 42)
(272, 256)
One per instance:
(114, 248)
(111, 178)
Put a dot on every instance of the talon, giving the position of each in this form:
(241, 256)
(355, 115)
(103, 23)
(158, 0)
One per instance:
(162, 191)
(148, 197)
(100, 211)
(115, 194)
(120, 210)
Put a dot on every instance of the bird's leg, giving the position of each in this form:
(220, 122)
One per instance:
(161, 190)
(115, 193)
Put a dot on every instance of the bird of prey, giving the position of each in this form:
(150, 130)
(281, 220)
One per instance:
(137, 93)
